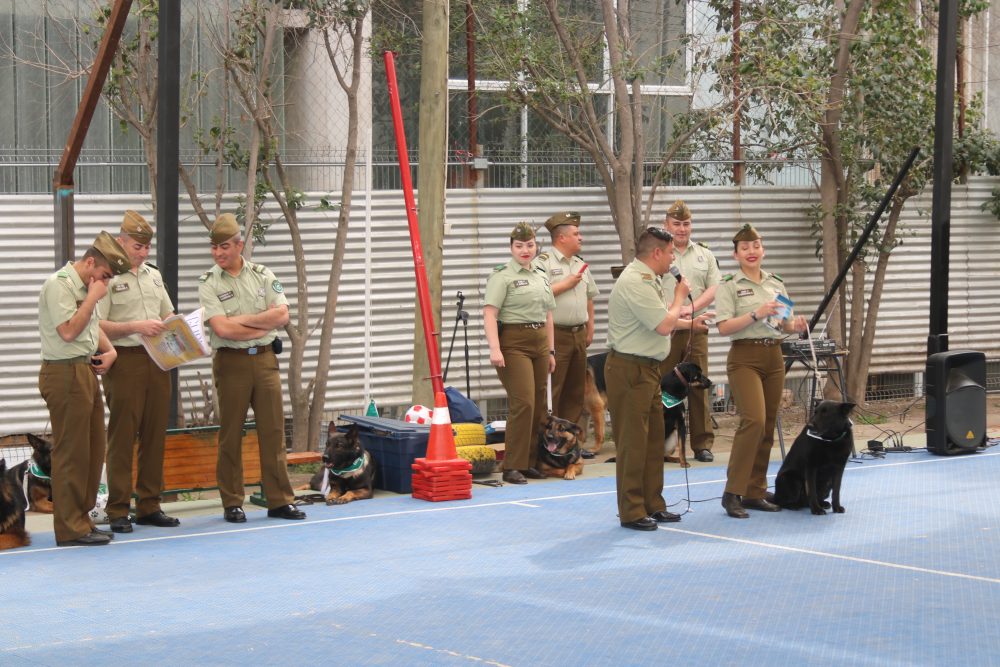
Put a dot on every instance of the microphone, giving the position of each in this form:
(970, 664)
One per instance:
(676, 273)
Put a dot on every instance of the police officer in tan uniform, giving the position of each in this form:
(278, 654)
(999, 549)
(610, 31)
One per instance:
(747, 311)
(74, 352)
(696, 263)
(244, 303)
(639, 328)
(517, 317)
(573, 319)
(137, 390)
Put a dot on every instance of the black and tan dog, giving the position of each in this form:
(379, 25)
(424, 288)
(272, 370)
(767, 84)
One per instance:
(675, 385)
(815, 463)
(595, 399)
(559, 448)
(34, 476)
(348, 471)
(12, 506)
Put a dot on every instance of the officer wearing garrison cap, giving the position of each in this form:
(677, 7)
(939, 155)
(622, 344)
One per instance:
(517, 317)
(74, 353)
(244, 303)
(137, 390)
(698, 265)
(573, 319)
(749, 313)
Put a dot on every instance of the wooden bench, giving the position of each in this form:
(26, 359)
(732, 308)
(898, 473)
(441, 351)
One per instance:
(302, 458)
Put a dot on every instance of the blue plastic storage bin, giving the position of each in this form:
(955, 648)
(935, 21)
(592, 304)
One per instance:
(394, 445)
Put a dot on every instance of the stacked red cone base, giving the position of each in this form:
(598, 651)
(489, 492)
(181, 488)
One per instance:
(442, 474)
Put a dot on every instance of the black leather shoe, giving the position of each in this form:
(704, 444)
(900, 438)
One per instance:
(121, 525)
(158, 519)
(88, 540)
(235, 514)
(286, 512)
(768, 496)
(645, 523)
(587, 454)
(734, 508)
(761, 504)
(704, 456)
(514, 477)
(101, 531)
(532, 473)
(663, 516)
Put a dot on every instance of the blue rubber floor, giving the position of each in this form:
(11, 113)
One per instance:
(537, 575)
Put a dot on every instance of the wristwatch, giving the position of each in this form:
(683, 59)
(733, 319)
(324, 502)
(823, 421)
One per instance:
(552, 352)
(753, 315)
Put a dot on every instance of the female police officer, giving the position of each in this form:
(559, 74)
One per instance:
(747, 312)
(518, 319)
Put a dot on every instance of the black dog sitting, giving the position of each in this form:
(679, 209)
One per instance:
(676, 385)
(348, 471)
(815, 463)
(35, 475)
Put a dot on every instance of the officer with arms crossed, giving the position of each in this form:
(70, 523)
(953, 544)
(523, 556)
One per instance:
(639, 328)
(696, 263)
(574, 289)
(244, 303)
(138, 391)
(74, 352)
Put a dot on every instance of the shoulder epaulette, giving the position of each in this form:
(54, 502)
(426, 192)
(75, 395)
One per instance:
(152, 266)
(727, 277)
(780, 279)
(580, 258)
(543, 256)
(62, 273)
(498, 267)
(203, 277)
(703, 245)
(260, 268)
(541, 269)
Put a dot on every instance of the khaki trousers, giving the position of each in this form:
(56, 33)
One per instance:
(73, 396)
(138, 396)
(570, 374)
(243, 381)
(699, 413)
(637, 428)
(757, 378)
(526, 365)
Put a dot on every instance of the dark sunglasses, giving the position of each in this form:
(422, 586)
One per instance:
(661, 234)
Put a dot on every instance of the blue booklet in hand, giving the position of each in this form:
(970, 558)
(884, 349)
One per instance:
(784, 312)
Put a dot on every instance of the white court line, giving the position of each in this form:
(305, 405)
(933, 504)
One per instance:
(826, 554)
(452, 508)
(521, 504)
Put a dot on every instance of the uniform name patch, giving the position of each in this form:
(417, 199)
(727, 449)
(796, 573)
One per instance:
(520, 283)
(120, 287)
(744, 292)
(557, 272)
(226, 296)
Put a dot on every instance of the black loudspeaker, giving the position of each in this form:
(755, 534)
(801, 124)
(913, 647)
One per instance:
(955, 383)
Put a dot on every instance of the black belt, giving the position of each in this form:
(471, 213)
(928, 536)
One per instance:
(572, 328)
(260, 349)
(767, 342)
(523, 325)
(649, 361)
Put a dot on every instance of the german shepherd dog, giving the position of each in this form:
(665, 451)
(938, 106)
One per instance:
(12, 506)
(348, 471)
(38, 472)
(677, 383)
(815, 463)
(559, 448)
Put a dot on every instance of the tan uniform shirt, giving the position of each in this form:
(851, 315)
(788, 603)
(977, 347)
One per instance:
(699, 266)
(738, 295)
(635, 309)
(520, 295)
(571, 305)
(135, 295)
(61, 295)
(253, 291)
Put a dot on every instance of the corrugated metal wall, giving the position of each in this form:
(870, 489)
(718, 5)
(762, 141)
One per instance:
(475, 241)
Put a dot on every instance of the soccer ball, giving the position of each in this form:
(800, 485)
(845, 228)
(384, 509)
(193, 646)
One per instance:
(419, 414)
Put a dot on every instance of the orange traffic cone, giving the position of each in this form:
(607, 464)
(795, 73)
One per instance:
(441, 443)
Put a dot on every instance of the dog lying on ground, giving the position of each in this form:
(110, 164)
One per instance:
(12, 506)
(348, 471)
(559, 449)
(676, 385)
(34, 475)
(815, 463)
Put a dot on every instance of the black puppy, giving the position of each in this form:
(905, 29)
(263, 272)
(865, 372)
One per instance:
(815, 463)
(676, 385)
(348, 471)
(38, 471)
(12, 506)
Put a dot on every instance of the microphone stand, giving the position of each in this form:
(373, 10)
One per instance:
(463, 317)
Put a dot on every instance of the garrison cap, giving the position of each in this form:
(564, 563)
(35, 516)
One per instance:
(679, 211)
(746, 233)
(112, 252)
(136, 226)
(522, 232)
(225, 228)
(564, 218)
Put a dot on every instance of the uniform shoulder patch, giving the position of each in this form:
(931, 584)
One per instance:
(726, 278)
(203, 277)
(277, 287)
